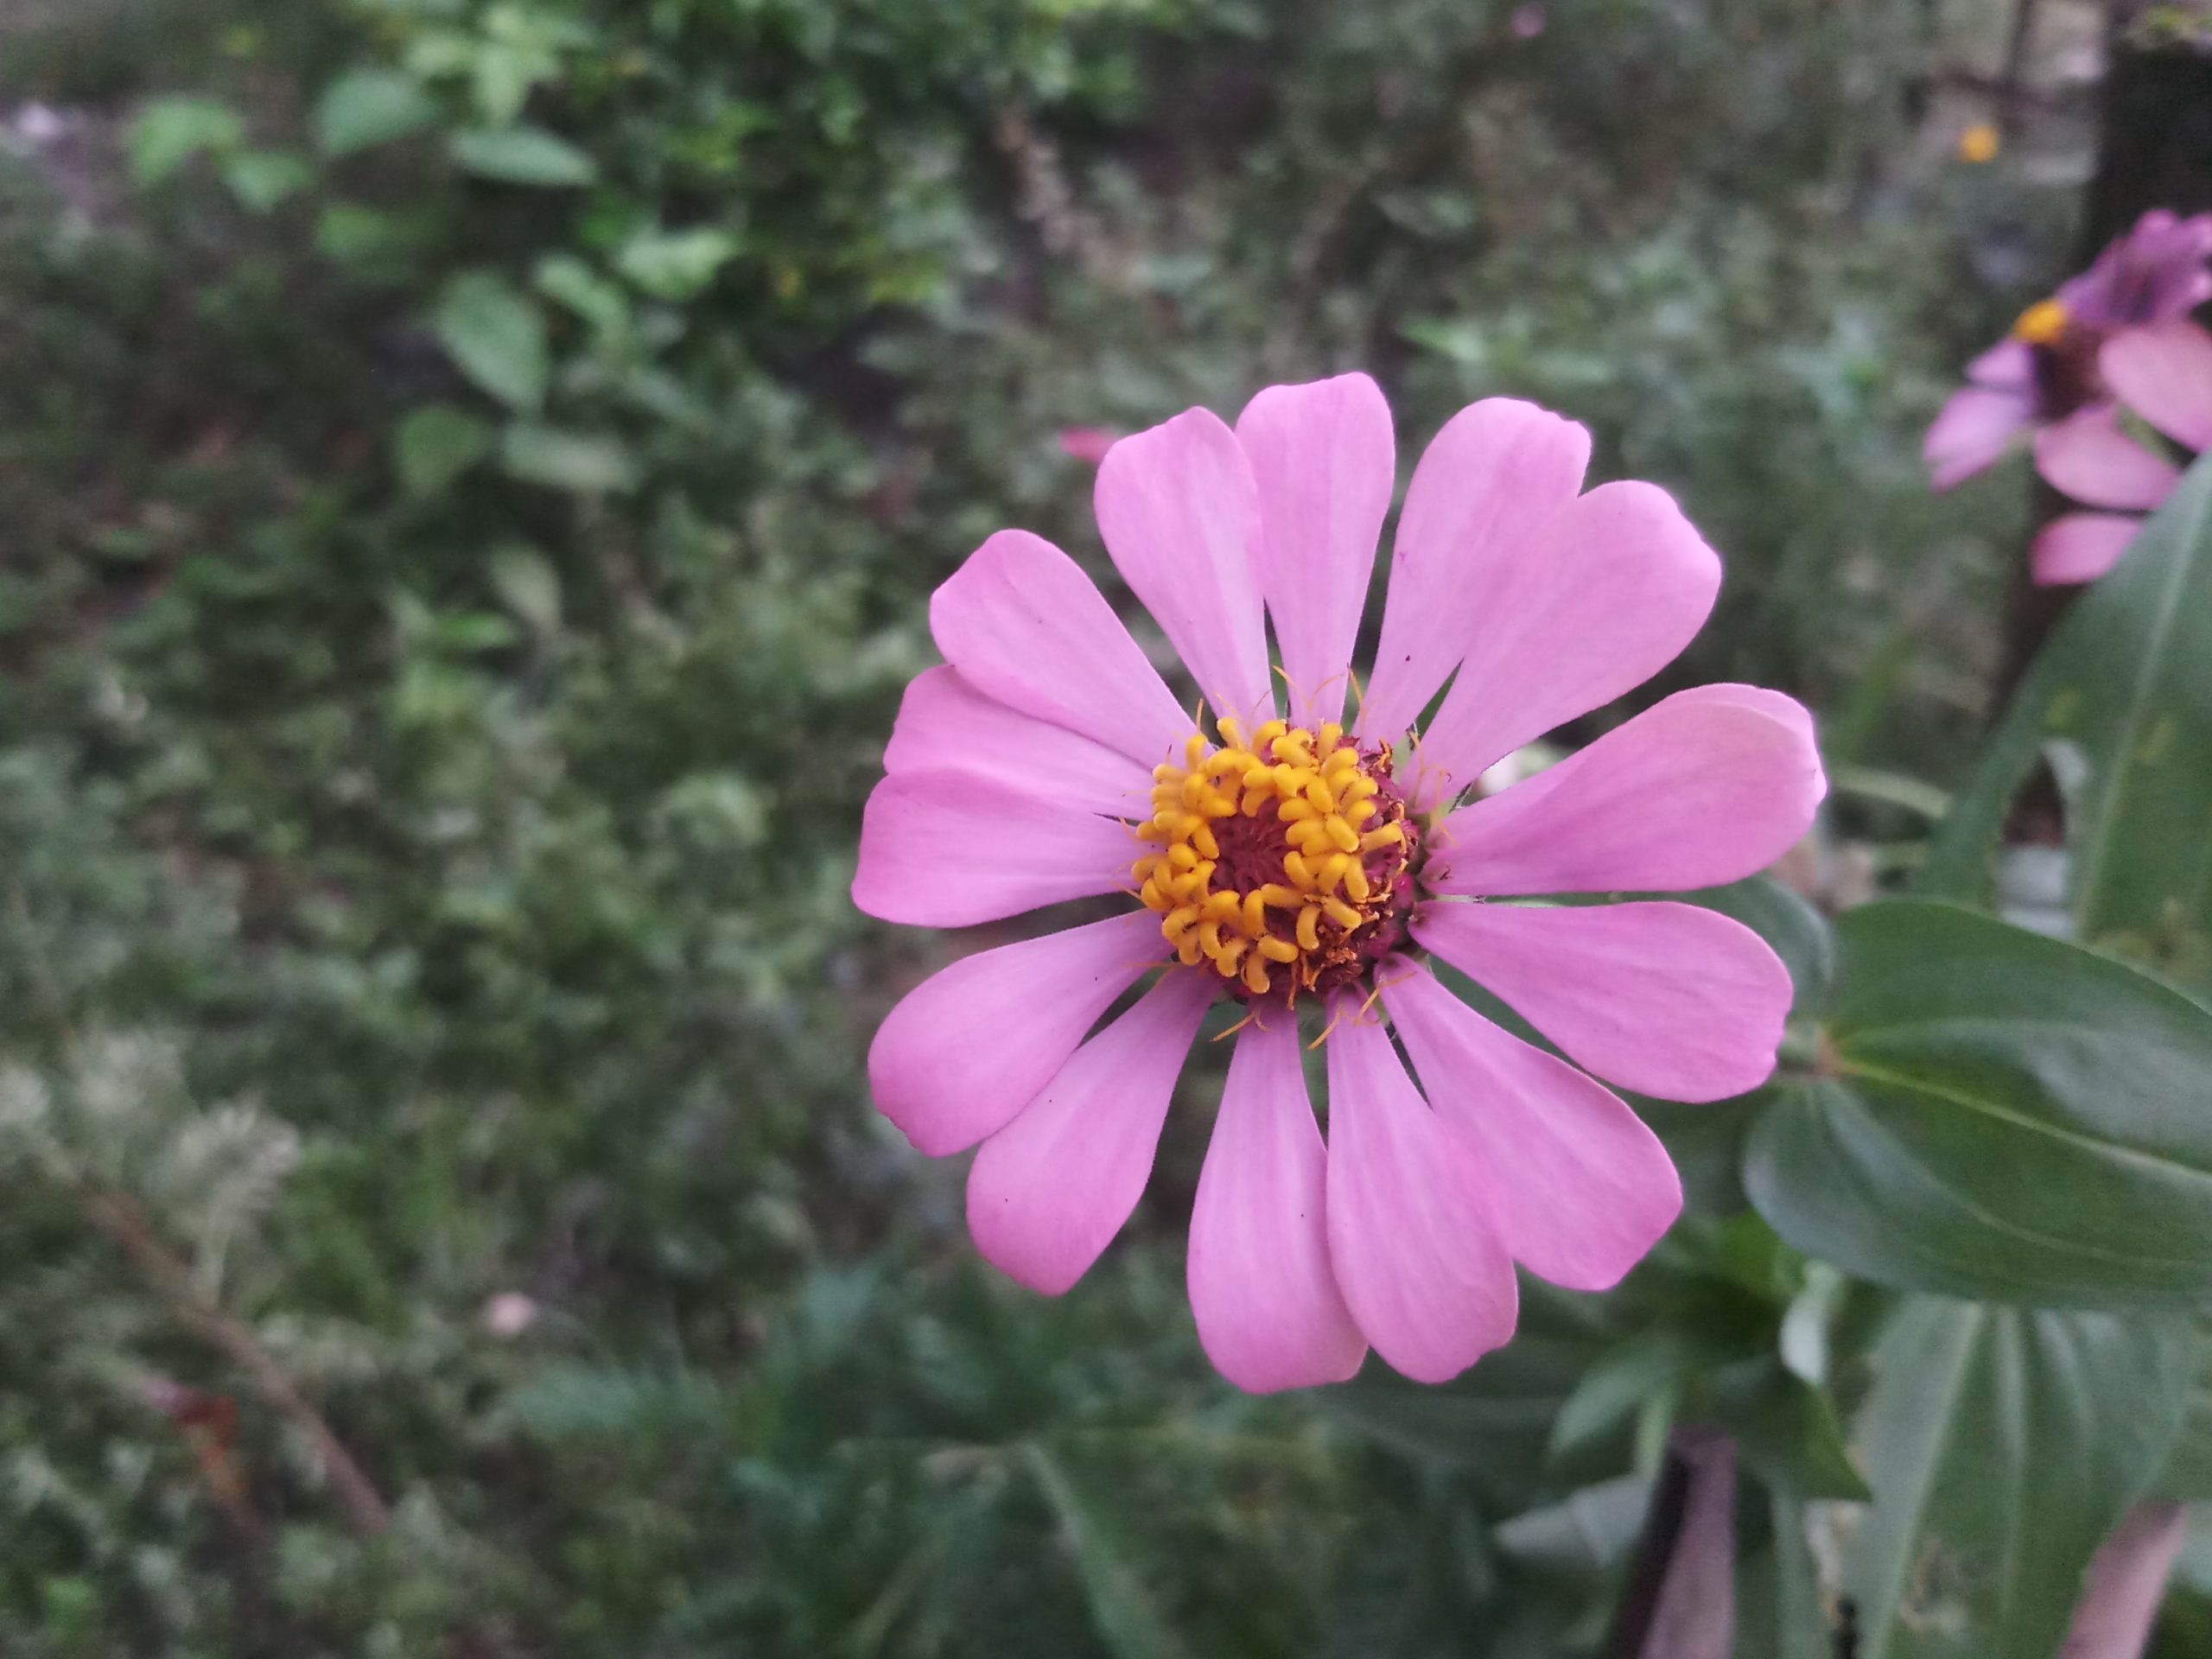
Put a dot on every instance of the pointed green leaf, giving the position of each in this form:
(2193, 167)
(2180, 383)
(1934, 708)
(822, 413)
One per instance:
(2002, 1445)
(262, 179)
(522, 156)
(2001, 1115)
(370, 107)
(675, 264)
(497, 337)
(1128, 1622)
(2126, 685)
(435, 445)
(170, 132)
(589, 463)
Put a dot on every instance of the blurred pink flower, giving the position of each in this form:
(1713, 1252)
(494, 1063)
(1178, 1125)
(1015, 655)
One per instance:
(2048, 369)
(2163, 374)
(1529, 21)
(1288, 865)
(1087, 443)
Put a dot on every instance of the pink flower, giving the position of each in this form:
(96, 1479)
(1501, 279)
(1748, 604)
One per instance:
(2165, 375)
(2048, 369)
(1290, 864)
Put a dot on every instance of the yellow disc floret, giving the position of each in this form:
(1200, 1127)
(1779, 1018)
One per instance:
(1280, 862)
(2042, 323)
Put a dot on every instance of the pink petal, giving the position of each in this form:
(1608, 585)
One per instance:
(2163, 374)
(2009, 365)
(1667, 1000)
(2080, 546)
(1605, 596)
(1181, 514)
(1973, 432)
(2090, 458)
(971, 1045)
(946, 725)
(1048, 1192)
(1326, 465)
(1709, 786)
(1424, 1274)
(1497, 472)
(952, 848)
(1026, 628)
(1267, 1304)
(1581, 1189)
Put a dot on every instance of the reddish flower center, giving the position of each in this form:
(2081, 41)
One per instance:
(1283, 864)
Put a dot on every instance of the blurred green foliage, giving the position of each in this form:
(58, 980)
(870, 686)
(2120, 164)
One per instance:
(472, 473)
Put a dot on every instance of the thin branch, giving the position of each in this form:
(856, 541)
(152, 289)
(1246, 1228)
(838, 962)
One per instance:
(119, 1216)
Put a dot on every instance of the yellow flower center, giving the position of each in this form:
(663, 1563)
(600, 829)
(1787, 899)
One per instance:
(2042, 323)
(1282, 863)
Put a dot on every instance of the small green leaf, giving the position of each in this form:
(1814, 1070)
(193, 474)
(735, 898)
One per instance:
(675, 264)
(588, 463)
(170, 132)
(362, 239)
(521, 155)
(1999, 1115)
(262, 179)
(369, 107)
(2002, 1445)
(435, 445)
(568, 281)
(527, 583)
(497, 337)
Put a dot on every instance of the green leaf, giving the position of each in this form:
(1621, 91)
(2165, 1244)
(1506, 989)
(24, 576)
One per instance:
(569, 282)
(2127, 684)
(1629, 1379)
(261, 179)
(1780, 1612)
(435, 445)
(521, 155)
(370, 107)
(1787, 1431)
(675, 264)
(1128, 1622)
(368, 242)
(170, 132)
(589, 463)
(2002, 1445)
(2187, 1471)
(1999, 1114)
(496, 336)
(528, 585)
(1588, 1531)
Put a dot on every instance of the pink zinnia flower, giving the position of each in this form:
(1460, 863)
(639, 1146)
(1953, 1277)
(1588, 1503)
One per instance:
(2049, 368)
(1296, 860)
(2165, 375)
